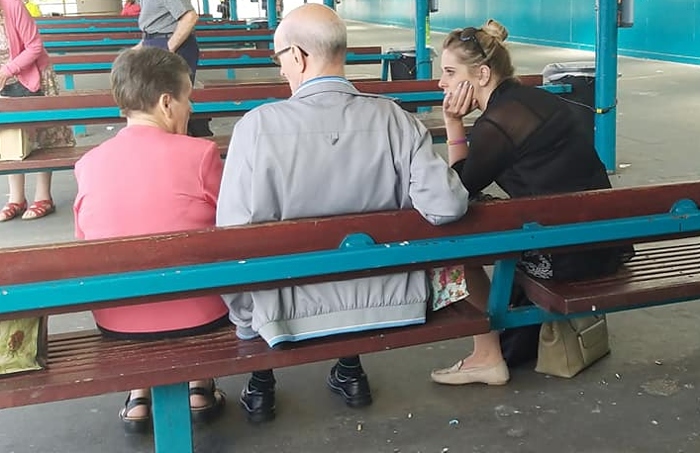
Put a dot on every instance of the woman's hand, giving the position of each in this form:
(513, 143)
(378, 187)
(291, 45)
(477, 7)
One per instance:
(459, 103)
(4, 75)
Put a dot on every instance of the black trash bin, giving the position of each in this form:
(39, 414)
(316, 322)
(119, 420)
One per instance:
(404, 67)
(581, 77)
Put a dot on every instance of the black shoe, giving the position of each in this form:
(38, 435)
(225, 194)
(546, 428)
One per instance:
(258, 404)
(355, 390)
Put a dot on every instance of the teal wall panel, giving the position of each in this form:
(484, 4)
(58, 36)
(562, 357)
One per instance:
(663, 29)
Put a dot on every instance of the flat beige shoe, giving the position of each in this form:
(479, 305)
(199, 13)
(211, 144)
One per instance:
(492, 375)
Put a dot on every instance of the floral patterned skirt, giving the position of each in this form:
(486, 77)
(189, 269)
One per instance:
(53, 136)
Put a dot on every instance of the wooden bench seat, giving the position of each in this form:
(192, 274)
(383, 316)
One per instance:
(658, 271)
(82, 364)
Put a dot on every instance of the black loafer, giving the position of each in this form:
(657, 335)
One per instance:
(355, 390)
(259, 405)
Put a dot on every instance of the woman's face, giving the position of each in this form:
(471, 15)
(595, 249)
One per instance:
(453, 72)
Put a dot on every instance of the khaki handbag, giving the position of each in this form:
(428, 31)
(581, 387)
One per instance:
(567, 347)
(23, 345)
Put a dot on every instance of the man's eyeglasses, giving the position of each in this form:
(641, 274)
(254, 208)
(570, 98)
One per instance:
(276, 56)
(469, 35)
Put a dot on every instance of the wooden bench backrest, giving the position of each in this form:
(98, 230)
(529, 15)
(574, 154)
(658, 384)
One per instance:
(72, 37)
(229, 94)
(233, 245)
(213, 54)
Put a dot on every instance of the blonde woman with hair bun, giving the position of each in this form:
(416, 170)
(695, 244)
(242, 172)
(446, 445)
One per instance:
(528, 142)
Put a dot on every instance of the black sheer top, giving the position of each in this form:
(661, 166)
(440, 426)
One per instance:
(529, 142)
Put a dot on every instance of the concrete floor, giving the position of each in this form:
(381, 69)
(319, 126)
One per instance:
(642, 398)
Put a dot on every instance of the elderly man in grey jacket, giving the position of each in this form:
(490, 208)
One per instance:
(329, 150)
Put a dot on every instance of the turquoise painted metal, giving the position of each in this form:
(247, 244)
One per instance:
(329, 3)
(272, 19)
(606, 83)
(240, 62)
(136, 29)
(86, 20)
(424, 68)
(207, 41)
(172, 427)
(233, 8)
(683, 217)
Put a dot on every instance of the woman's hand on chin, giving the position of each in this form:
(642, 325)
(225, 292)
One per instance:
(459, 103)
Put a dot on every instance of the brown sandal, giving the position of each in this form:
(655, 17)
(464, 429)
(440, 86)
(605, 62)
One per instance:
(12, 210)
(39, 209)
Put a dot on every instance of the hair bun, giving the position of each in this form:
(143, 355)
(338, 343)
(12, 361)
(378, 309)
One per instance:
(495, 29)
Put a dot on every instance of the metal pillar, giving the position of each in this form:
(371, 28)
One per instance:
(233, 8)
(205, 7)
(424, 68)
(606, 82)
(272, 18)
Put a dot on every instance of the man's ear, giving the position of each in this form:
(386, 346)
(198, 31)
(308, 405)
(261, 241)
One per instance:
(298, 58)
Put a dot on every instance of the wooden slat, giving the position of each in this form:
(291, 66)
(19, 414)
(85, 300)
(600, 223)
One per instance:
(72, 37)
(85, 364)
(209, 54)
(103, 98)
(656, 273)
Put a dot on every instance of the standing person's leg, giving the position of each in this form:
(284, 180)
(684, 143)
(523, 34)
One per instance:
(17, 203)
(43, 202)
(189, 50)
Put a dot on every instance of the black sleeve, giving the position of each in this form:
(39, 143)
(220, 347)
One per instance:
(491, 151)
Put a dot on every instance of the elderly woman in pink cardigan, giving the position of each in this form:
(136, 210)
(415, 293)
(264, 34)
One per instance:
(151, 178)
(25, 71)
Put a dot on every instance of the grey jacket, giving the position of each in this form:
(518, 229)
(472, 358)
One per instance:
(331, 150)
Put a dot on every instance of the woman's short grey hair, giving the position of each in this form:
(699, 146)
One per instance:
(140, 76)
(327, 40)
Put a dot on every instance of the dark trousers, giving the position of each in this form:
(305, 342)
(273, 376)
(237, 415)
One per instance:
(17, 90)
(189, 50)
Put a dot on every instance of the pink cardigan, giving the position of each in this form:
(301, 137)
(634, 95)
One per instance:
(27, 54)
(147, 181)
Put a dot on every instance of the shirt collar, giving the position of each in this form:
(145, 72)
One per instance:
(322, 79)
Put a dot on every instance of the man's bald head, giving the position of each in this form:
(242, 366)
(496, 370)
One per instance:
(317, 29)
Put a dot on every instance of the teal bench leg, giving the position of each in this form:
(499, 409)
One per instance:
(172, 426)
(70, 86)
(230, 73)
(385, 70)
(501, 288)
